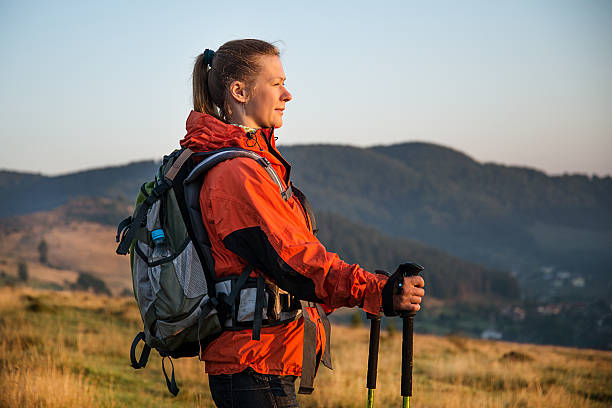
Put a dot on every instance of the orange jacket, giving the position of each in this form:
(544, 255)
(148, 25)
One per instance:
(248, 222)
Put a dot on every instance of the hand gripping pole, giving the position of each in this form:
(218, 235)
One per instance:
(407, 269)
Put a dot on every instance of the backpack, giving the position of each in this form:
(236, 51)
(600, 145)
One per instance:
(182, 307)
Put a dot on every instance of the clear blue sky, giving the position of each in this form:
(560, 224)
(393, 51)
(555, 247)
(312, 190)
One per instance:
(523, 82)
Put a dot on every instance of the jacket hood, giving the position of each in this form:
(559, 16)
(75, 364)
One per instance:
(206, 133)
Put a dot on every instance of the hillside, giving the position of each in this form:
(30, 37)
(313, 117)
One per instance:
(80, 238)
(447, 277)
(77, 243)
(71, 350)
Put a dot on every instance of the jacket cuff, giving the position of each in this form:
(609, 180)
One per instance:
(373, 293)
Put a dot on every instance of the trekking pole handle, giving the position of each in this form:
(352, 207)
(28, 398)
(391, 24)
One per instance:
(407, 269)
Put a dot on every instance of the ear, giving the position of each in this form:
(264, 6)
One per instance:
(238, 91)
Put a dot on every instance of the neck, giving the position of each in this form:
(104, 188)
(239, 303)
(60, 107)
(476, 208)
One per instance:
(239, 117)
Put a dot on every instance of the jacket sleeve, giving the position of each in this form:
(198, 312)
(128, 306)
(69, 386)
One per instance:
(253, 221)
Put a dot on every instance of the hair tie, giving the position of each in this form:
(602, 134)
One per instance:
(208, 56)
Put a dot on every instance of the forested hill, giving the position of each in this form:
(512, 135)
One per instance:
(505, 217)
(25, 193)
(447, 277)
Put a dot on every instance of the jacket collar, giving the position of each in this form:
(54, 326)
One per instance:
(207, 133)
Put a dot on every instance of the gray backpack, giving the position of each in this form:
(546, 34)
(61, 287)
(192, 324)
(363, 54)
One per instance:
(182, 307)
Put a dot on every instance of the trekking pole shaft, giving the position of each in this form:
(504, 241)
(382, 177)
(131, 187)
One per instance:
(407, 338)
(373, 352)
(370, 398)
(373, 357)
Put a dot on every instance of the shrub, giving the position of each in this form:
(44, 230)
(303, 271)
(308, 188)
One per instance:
(22, 271)
(87, 281)
(43, 251)
(356, 320)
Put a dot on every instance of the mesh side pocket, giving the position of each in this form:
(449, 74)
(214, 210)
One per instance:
(145, 292)
(168, 329)
(190, 273)
(153, 216)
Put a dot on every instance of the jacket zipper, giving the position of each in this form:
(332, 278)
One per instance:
(276, 154)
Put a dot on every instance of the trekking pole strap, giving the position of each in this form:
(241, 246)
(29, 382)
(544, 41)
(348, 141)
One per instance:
(144, 357)
(171, 383)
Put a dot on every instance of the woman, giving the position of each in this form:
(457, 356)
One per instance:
(239, 98)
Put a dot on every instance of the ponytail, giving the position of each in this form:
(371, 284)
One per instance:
(202, 100)
(236, 60)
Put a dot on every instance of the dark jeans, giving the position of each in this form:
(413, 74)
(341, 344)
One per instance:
(249, 389)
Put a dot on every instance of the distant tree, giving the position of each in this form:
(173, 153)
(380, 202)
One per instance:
(86, 281)
(43, 250)
(356, 319)
(22, 271)
(391, 329)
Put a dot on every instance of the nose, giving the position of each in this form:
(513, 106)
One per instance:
(286, 95)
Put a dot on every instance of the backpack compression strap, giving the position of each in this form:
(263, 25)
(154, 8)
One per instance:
(144, 356)
(129, 226)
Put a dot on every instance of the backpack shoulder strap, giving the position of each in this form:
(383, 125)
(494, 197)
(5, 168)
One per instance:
(191, 194)
(307, 207)
(231, 153)
(178, 163)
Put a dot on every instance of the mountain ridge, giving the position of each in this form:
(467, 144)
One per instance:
(505, 217)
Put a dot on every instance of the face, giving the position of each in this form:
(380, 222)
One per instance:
(266, 102)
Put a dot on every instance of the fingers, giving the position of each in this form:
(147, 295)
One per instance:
(413, 285)
(415, 299)
(405, 301)
(411, 296)
(414, 281)
(405, 305)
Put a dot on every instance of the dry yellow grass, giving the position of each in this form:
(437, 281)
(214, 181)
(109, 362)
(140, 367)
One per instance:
(61, 349)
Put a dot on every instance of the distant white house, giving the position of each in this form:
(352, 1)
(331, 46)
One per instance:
(563, 275)
(490, 334)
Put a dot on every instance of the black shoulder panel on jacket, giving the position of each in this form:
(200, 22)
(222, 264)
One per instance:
(253, 245)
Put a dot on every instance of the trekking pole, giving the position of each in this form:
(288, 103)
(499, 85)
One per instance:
(373, 356)
(373, 350)
(407, 269)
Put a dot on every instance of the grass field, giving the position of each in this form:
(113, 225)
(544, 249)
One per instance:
(66, 349)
